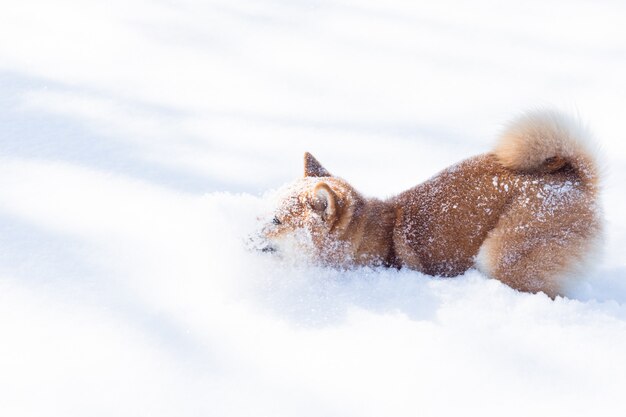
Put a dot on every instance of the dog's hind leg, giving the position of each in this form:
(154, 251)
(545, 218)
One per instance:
(539, 253)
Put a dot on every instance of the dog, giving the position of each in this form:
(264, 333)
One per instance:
(526, 213)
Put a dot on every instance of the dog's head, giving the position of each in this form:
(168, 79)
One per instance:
(315, 215)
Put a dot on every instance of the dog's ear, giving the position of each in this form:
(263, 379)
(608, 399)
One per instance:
(312, 167)
(325, 202)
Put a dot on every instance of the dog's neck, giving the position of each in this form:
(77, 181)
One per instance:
(372, 237)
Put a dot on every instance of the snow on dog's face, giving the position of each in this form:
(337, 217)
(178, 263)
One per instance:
(313, 216)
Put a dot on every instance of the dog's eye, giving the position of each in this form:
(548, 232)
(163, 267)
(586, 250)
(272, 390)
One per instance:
(276, 221)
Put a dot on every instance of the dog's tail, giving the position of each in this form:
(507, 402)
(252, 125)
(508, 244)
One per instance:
(547, 141)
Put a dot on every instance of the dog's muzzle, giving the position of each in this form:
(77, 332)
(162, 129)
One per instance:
(259, 243)
(269, 249)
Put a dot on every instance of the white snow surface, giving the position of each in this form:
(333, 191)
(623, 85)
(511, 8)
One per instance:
(139, 140)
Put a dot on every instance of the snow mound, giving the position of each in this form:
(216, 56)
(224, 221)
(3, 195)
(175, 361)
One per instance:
(137, 138)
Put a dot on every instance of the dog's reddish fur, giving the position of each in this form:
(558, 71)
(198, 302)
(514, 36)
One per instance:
(525, 214)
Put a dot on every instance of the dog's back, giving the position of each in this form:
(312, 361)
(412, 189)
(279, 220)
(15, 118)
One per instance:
(525, 213)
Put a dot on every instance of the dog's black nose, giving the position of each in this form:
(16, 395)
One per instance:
(268, 248)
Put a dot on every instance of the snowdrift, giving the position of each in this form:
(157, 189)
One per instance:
(140, 140)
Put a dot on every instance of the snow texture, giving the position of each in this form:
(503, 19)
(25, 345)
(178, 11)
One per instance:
(137, 140)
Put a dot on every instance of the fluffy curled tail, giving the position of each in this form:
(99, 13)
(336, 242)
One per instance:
(546, 141)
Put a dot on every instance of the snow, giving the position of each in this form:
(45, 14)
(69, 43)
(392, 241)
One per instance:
(141, 139)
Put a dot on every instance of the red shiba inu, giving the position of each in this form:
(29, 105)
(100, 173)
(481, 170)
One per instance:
(525, 213)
